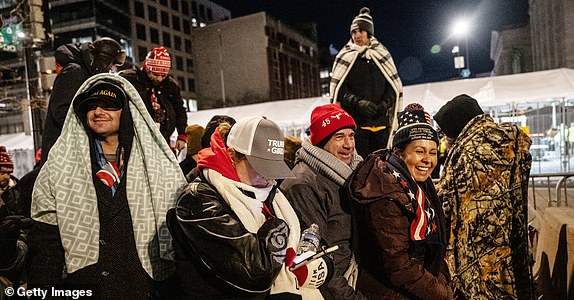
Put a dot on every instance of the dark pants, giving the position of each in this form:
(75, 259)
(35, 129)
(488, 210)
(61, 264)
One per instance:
(367, 141)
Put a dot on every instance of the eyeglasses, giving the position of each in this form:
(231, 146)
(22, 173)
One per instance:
(96, 105)
(104, 104)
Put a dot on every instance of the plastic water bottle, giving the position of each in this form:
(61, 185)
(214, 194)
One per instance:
(310, 239)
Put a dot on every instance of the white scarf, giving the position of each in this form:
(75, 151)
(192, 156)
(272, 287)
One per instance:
(249, 212)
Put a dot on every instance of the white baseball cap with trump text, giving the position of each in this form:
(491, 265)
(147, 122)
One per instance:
(262, 142)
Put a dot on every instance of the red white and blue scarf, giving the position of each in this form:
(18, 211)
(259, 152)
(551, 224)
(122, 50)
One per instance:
(424, 221)
(111, 171)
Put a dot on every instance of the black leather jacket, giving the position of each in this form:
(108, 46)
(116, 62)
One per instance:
(216, 257)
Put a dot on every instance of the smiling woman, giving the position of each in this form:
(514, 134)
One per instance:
(397, 210)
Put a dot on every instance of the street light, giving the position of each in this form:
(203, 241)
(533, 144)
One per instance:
(460, 29)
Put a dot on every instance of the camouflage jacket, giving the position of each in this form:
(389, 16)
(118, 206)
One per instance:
(484, 190)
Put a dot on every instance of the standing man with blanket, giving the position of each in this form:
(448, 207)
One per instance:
(366, 84)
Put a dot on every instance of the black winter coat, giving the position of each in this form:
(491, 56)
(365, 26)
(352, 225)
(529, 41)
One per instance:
(318, 199)
(215, 256)
(75, 62)
(168, 96)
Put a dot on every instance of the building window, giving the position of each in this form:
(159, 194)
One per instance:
(181, 82)
(163, 2)
(140, 32)
(185, 7)
(179, 63)
(189, 65)
(166, 39)
(139, 9)
(516, 61)
(177, 43)
(186, 26)
(191, 84)
(142, 52)
(202, 12)
(175, 23)
(209, 14)
(154, 35)
(152, 13)
(164, 18)
(175, 5)
(187, 46)
(194, 10)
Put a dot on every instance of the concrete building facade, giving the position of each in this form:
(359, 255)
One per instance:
(552, 31)
(253, 59)
(546, 42)
(139, 25)
(511, 50)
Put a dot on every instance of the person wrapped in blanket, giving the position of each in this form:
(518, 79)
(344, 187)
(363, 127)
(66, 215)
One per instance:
(366, 84)
(100, 200)
(235, 234)
(484, 190)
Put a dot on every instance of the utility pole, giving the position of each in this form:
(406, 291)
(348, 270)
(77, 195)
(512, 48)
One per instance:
(34, 38)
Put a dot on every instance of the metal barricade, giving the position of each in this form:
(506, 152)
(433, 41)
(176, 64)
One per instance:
(556, 186)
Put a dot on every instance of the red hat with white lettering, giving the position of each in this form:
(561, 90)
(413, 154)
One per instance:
(262, 142)
(328, 119)
(158, 61)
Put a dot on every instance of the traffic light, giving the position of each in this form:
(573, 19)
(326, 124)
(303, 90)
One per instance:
(48, 72)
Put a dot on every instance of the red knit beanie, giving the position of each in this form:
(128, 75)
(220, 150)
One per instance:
(158, 61)
(328, 119)
(5, 161)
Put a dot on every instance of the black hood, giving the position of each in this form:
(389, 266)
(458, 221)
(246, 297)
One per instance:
(73, 53)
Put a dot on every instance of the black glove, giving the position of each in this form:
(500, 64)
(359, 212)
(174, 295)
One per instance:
(364, 107)
(367, 108)
(9, 233)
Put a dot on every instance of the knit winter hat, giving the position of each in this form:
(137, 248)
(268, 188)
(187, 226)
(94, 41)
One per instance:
(414, 124)
(194, 133)
(328, 119)
(363, 21)
(157, 61)
(455, 114)
(212, 126)
(5, 161)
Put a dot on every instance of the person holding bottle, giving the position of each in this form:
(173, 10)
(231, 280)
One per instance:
(323, 164)
(401, 229)
(235, 234)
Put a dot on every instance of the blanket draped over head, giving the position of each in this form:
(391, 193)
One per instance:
(64, 193)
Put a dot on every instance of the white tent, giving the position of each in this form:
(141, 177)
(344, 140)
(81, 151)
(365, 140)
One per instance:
(496, 90)
(291, 115)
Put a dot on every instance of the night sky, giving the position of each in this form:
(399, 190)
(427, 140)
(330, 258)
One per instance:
(408, 28)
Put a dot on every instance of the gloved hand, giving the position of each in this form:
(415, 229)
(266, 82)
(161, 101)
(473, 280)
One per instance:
(315, 273)
(364, 107)
(367, 108)
(9, 233)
